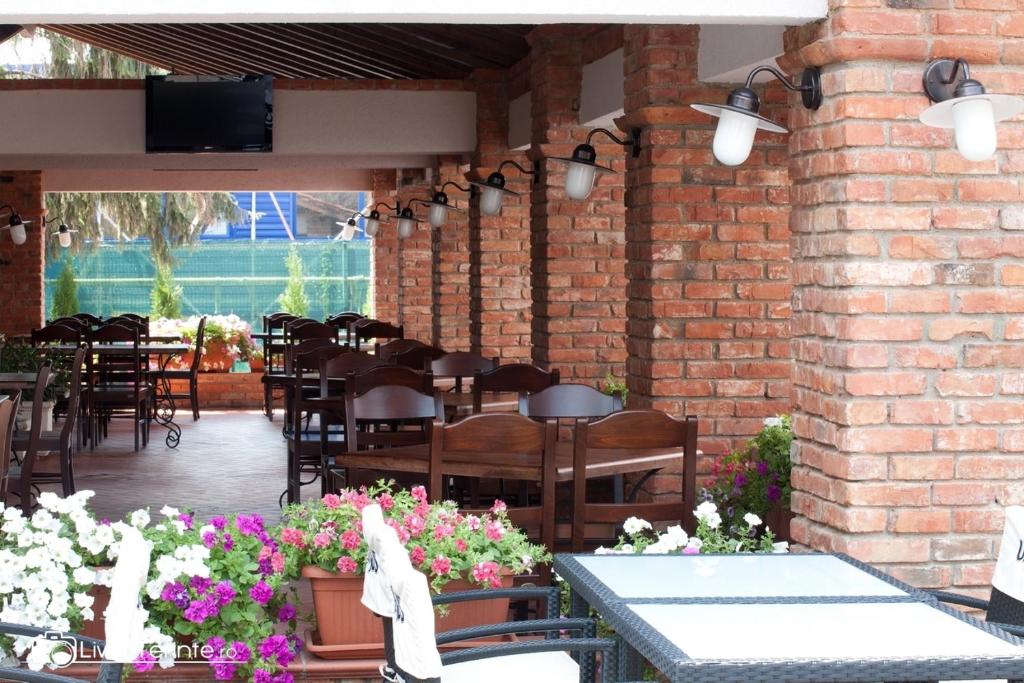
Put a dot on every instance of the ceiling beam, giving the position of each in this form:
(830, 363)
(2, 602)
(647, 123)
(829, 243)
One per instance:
(8, 31)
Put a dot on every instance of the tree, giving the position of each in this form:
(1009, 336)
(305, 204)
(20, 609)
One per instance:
(166, 295)
(326, 286)
(65, 296)
(293, 299)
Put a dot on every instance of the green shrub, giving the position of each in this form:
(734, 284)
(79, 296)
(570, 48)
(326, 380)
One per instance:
(166, 296)
(293, 299)
(613, 385)
(65, 296)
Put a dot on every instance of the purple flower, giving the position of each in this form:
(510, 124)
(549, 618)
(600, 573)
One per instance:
(287, 612)
(296, 643)
(284, 677)
(272, 645)
(209, 539)
(762, 467)
(229, 543)
(106, 522)
(262, 676)
(225, 593)
(223, 671)
(773, 493)
(176, 593)
(186, 519)
(200, 584)
(219, 523)
(249, 525)
(740, 481)
(240, 652)
(145, 661)
(199, 611)
(261, 592)
(216, 644)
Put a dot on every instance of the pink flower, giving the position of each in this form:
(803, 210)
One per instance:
(422, 509)
(443, 531)
(332, 501)
(499, 506)
(350, 540)
(417, 555)
(473, 522)
(322, 540)
(415, 524)
(460, 545)
(385, 501)
(441, 565)
(419, 493)
(293, 537)
(690, 550)
(346, 565)
(361, 500)
(494, 531)
(403, 536)
(277, 563)
(486, 573)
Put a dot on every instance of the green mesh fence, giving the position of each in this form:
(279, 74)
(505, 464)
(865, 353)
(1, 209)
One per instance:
(244, 278)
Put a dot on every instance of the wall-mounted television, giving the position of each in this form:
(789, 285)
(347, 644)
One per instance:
(196, 114)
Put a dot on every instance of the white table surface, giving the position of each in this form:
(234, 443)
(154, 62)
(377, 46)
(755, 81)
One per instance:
(820, 631)
(734, 576)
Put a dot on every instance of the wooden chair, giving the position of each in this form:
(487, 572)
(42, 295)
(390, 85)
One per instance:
(402, 449)
(341, 365)
(363, 330)
(569, 401)
(417, 357)
(301, 330)
(627, 432)
(89, 318)
(273, 357)
(342, 320)
(131, 320)
(192, 373)
(389, 350)
(19, 476)
(62, 440)
(388, 375)
(122, 387)
(67, 332)
(462, 448)
(74, 323)
(521, 378)
(8, 418)
(460, 364)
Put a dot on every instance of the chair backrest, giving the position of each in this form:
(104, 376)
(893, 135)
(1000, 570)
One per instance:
(8, 417)
(303, 348)
(88, 318)
(630, 431)
(34, 433)
(57, 333)
(522, 378)
(341, 364)
(395, 375)
(310, 329)
(389, 350)
(197, 355)
(112, 332)
(136, 317)
(119, 367)
(569, 400)
(391, 403)
(130, 321)
(72, 322)
(1006, 604)
(277, 321)
(343, 319)
(461, 364)
(365, 329)
(74, 392)
(417, 357)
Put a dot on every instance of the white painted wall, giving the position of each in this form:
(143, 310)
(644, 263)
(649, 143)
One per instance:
(728, 53)
(603, 91)
(520, 122)
(782, 12)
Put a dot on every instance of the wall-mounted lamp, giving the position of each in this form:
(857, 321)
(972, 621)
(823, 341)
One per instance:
(583, 167)
(407, 223)
(493, 191)
(962, 104)
(348, 230)
(63, 233)
(15, 225)
(440, 206)
(738, 119)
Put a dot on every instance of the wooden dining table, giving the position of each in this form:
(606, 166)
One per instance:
(18, 381)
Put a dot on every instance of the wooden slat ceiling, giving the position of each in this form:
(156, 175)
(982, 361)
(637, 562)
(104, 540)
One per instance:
(330, 51)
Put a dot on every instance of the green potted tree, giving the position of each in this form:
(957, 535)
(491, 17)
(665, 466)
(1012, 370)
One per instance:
(21, 357)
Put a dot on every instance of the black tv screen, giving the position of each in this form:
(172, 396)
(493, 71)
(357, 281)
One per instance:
(209, 114)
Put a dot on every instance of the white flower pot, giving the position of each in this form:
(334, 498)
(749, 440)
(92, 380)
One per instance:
(24, 420)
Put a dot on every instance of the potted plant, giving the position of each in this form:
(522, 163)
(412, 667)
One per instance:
(756, 479)
(21, 357)
(323, 540)
(227, 339)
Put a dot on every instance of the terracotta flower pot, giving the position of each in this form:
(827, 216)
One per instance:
(347, 630)
(778, 519)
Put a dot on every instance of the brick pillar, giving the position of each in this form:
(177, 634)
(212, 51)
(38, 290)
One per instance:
(450, 257)
(577, 247)
(707, 251)
(499, 245)
(907, 311)
(21, 266)
(415, 262)
(384, 271)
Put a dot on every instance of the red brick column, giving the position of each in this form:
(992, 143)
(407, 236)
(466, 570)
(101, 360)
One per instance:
(707, 251)
(907, 312)
(577, 247)
(384, 263)
(21, 266)
(415, 262)
(450, 256)
(499, 245)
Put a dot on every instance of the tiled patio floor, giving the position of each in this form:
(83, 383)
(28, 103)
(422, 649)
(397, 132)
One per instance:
(226, 462)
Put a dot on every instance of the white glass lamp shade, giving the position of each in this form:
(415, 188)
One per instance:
(18, 235)
(64, 237)
(974, 126)
(579, 180)
(734, 137)
(437, 214)
(490, 201)
(372, 227)
(348, 232)
(406, 227)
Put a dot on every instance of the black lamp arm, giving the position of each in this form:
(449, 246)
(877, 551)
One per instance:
(47, 221)
(624, 143)
(960, 64)
(396, 208)
(469, 189)
(509, 162)
(8, 207)
(783, 78)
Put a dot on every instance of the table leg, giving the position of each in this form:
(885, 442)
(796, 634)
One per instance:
(630, 663)
(164, 407)
(579, 608)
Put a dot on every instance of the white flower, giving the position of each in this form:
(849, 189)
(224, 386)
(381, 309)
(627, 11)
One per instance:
(661, 547)
(168, 511)
(140, 518)
(601, 550)
(780, 547)
(705, 510)
(675, 537)
(714, 521)
(84, 576)
(626, 549)
(751, 519)
(83, 600)
(773, 422)
(634, 525)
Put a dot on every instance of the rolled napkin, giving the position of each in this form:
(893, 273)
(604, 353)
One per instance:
(125, 618)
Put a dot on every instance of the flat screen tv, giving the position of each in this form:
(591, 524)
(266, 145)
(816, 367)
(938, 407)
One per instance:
(196, 114)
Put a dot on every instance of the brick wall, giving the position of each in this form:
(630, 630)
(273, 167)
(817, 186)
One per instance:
(220, 390)
(577, 247)
(21, 266)
(450, 253)
(384, 261)
(499, 245)
(707, 251)
(907, 311)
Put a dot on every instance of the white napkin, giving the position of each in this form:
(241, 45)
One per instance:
(1009, 574)
(377, 596)
(125, 618)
